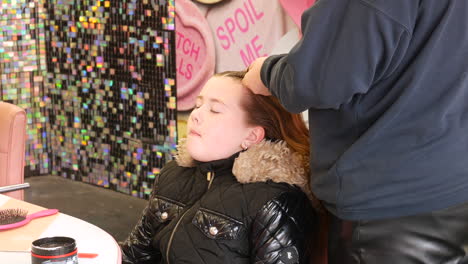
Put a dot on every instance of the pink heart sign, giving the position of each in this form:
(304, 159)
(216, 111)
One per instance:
(296, 8)
(195, 53)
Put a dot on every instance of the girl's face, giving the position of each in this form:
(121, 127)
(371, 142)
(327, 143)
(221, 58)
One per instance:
(216, 127)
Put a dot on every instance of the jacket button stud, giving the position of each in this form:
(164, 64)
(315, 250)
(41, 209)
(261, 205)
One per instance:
(164, 216)
(213, 231)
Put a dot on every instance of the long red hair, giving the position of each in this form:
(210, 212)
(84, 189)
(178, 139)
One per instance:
(279, 124)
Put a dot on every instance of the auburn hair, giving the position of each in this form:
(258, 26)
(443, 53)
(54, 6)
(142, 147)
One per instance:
(279, 124)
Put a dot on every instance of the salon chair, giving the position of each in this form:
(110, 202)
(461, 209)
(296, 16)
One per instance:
(12, 150)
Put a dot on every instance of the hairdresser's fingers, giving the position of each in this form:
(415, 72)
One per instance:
(252, 78)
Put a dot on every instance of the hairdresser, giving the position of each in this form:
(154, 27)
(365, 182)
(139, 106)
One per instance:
(385, 84)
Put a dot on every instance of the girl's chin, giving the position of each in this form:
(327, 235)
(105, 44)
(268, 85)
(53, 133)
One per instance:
(194, 150)
(199, 157)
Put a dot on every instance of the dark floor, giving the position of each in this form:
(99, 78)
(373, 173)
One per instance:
(112, 211)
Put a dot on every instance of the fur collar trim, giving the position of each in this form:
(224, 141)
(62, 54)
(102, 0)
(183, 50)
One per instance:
(265, 161)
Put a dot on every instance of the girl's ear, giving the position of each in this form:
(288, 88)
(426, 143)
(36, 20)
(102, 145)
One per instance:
(255, 135)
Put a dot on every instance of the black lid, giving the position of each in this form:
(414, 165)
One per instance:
(53, 246)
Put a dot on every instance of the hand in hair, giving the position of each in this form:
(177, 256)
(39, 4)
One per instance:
(252, 78)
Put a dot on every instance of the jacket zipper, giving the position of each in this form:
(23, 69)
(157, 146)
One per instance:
(172, 235)
(209, 177)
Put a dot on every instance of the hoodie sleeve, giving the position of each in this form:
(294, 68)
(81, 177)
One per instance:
(347, 45)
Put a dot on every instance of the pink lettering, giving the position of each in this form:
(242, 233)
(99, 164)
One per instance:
(242, 18)
(188, 47)
(196, 51)
(186, 41)
(185, 70)
(252, 51)
(257, 16)
(189, 72)
(249, 58)
(222, 36)
(248, 12)
(236, 15)
(181, 37)
(230, 26)
(255, 47)
(181, 66)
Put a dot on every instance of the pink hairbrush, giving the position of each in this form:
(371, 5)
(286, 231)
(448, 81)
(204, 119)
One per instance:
(13, 218)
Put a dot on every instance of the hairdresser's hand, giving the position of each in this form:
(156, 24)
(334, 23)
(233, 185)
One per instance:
(252, 78)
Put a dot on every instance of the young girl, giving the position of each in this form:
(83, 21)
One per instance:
(233, 194)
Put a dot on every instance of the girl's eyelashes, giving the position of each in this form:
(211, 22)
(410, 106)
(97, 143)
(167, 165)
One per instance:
(216, 108)
(212, 110)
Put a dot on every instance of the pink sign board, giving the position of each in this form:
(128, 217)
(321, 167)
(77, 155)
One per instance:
(295, 8)
(244, 30)
(195, 53)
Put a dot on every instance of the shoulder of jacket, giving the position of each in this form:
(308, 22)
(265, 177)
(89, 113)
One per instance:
(292, 203)
(259, 195)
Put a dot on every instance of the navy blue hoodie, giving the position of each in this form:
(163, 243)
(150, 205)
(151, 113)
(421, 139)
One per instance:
(386, 86)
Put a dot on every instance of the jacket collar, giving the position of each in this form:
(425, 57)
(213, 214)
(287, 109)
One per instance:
(265, 161)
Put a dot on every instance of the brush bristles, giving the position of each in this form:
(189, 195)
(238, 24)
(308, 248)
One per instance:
(11, 216)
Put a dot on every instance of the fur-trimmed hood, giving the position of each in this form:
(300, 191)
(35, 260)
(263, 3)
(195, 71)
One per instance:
(265, 161)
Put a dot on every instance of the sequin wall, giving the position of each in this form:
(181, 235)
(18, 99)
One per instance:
(22, 70)
(110, 91)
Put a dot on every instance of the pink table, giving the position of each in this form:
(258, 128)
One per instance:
(15, 243)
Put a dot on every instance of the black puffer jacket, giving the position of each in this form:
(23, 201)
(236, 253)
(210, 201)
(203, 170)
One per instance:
(205, 213)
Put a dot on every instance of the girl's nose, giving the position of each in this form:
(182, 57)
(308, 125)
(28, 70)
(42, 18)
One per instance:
(195, 115)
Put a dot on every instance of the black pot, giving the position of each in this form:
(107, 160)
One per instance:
(58, 249)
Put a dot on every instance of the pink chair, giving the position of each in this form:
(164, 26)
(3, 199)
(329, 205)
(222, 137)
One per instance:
(12, 147)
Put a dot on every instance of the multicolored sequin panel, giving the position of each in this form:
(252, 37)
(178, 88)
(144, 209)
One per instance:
(22, 71)
(110, 91)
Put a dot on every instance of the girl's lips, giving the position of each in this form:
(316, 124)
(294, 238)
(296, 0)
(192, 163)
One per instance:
(194, 133)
